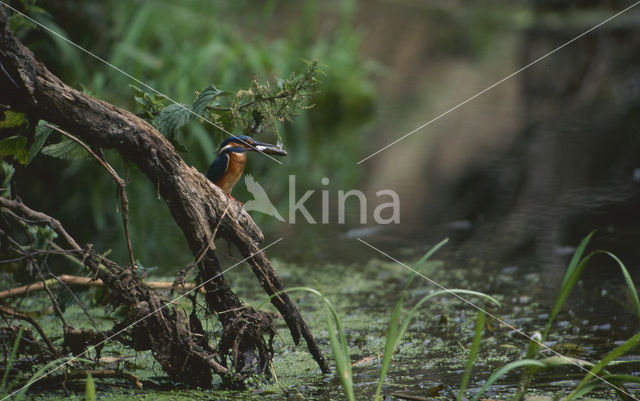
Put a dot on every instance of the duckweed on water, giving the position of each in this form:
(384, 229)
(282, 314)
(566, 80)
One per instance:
(432, 355)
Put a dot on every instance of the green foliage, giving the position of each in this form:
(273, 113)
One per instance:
(10, 360)
(206, 98)
(13, 125)
(574, 271)
(90, 389)
(398, 326)
(65, 149)
(170, 120)
(12, 119)
(7, 171)
(473, 354)
(607, 380)
(174, 48)
(15, 146)
(42, 235)
(248, 110)
(42, 133)
(337, 339)
(269, 106)
(151, 103)
(495, 376)
(599, 367)
(340, 350)
(46, 369)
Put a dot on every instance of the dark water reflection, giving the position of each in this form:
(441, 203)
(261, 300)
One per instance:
(516, 178)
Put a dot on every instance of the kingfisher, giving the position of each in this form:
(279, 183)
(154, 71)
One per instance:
(227, 167)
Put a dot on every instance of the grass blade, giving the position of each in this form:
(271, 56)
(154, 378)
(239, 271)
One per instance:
(503, 371)
(340, 352)
(414, 310)
(422, 261)
(390, 345)
(618, 380)
(337, 338)
(576, 257)
(595, 371)
(45, 371)
(90, 389)
(473, 354)
(627, 278)
(12, 357)
(397, 330)
(393, 334)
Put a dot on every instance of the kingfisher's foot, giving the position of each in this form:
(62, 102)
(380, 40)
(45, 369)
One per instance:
(229, 196)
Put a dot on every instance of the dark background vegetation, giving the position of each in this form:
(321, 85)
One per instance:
(515, 177)
(518, 174)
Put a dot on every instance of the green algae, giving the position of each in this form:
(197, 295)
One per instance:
(432, 355)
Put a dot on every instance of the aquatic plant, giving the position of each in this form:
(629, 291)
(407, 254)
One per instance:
(4, 388)
(398, 326)
(597, 376)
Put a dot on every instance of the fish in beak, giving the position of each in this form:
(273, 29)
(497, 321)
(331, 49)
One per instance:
(268, 149)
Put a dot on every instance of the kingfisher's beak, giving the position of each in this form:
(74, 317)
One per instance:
(268, 149)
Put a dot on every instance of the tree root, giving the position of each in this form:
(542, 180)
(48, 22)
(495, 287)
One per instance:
(198, 207)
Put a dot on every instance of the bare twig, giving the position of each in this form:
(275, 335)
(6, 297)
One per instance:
(194, 203)
(5, 310)
(119, 182)
(84, 282)
(187, 359)
(102, 373)
(209, 244)
(54, 301)
(75, 297)
(251, 103)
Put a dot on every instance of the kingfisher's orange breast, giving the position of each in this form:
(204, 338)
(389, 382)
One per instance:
(235, 167)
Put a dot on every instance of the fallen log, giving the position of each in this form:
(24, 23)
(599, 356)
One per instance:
(197, 206)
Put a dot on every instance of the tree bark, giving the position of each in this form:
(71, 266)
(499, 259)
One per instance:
(195, 203)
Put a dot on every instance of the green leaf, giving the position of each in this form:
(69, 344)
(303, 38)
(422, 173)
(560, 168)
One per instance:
(65, 149)
(423, 260)
(394, 334)
(90, 389)
(595, 371)
(205, 98)
(12, 357)
(337, 339)
(608, 380)
(152, 103)
(577, 255)
(42, 133)
(171, 118)
(15, 146)
(7, 173)
(12, 119)
(503, 371)
(473, 354)
(627, 279)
